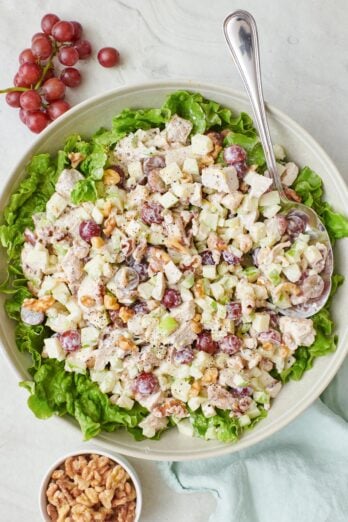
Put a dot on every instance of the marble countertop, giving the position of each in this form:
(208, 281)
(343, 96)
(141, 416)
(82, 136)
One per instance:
(305, 70)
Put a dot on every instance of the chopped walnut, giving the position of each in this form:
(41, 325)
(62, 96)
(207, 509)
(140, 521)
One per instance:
(39, 305)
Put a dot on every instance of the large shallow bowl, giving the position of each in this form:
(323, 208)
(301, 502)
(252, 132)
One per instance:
(296, 396)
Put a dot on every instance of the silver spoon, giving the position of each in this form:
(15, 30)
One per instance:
(241, 36)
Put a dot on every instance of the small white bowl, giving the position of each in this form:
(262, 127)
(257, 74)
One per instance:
(96, 451)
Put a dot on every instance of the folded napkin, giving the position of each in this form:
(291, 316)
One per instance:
(300, 474)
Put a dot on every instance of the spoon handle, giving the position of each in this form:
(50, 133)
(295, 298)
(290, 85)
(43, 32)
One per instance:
(241, 35)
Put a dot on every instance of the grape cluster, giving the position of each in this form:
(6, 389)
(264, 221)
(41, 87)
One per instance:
(39, 87)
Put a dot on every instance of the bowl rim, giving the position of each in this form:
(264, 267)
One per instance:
(118, 459)
(287, 417)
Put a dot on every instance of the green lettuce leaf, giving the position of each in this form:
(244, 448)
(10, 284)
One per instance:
(56, 391)
(310, 187)
(84, 190)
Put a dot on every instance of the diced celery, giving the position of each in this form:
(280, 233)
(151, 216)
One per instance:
(252, 273)
(261, 397)
(188, 281)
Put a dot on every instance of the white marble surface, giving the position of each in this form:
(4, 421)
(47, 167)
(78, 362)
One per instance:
(305, 70)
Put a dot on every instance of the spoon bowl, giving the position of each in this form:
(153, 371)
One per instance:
(241, 35)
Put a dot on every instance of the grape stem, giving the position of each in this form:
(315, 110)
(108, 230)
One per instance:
(14, 89)
(46, 68)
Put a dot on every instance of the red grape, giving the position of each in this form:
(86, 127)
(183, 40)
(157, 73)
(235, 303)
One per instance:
(36, 121)
(171, 298)
(30, 101)
(53, 89)
(84, 49)
(230, 344)
(18, 82)
(77, 30)
(29, 73)
(42, 47)
(68, 55)
(37, 35)
(234, 154)
(153, 163)
(23, 116)
(26, 56)
(89, 229)
(70, 340)
(70, 77)
(207, 257)
(230, 258)
(234, 310)
(205, 343)
(146, 383)
(63, 31)
(271, 336)
(152, 213)
(57, 108)
(108, 57)
(48, 21)
(12, 99)
(184, 356)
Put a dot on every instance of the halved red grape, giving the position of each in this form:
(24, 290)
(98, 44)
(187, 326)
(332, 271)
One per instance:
(234, 154)
(57, 108)
(140, 307)
(29, 73)
(270, 336)
(84, 49)
(171, 298)
(146, 383)
(68, 55)
(152, 213)
(241, 169)
(153, 162)
(231, 259)
(207, 257)
(230, 344)
(77, 30)
(205, 343)
(184, 356)
(26, 56)
(48, 21)
(63, 31)
(71, 77)
(234, 310)
(12, 99)
(89, 229)
(53, 89)
(70, 340)
(108, 57)
(36, 121)
(42, 47)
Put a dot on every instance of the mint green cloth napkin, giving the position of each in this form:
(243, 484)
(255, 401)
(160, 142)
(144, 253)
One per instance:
(300, 474)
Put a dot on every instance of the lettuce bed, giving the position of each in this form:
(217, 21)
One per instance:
(52, 389)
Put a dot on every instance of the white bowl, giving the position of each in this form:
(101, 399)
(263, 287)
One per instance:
(302, 148)
(96, 451)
